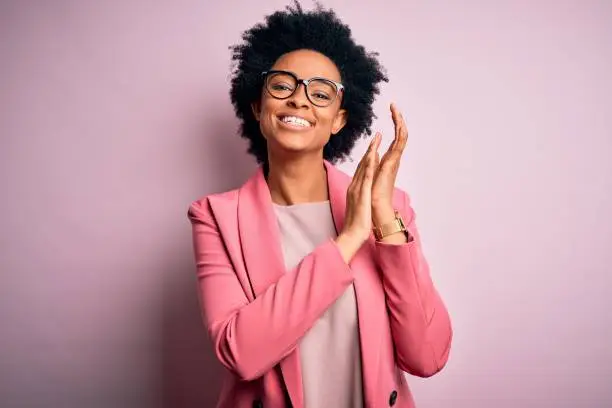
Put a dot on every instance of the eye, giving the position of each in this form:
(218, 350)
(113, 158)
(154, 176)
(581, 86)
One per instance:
(320, 95)
(281, 86)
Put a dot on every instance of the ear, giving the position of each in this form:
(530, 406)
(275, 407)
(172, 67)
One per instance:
(339, 121)
(255, 109)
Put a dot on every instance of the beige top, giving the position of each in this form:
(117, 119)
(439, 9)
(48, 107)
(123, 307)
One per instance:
(329, 351)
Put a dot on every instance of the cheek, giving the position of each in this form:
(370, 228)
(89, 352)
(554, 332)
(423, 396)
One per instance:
(266, 116)
(326, 120)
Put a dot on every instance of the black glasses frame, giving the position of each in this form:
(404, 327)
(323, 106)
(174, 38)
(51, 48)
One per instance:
(305, 82)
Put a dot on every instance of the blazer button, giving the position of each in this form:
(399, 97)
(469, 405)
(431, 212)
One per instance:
(392, 398)
(257, 404)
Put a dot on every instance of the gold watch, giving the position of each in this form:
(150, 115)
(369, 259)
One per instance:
(397, 225)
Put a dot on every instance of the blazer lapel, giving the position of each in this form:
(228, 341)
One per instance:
(263, 257)
(264, 261)
(259, 234)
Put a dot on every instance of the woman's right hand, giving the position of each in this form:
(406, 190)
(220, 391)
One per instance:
(358, 216)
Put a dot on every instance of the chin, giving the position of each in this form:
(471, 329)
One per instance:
(290, 138)
(293, 147)
(289, 144)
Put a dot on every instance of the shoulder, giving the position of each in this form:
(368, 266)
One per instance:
(202, 208)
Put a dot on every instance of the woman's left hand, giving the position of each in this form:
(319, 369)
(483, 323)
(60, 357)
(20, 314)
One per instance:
(386, 172)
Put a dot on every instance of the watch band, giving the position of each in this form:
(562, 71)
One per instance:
(397, 225)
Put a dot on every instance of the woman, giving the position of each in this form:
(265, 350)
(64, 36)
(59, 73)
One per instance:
(314, 293)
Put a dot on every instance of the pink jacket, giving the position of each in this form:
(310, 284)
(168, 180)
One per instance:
(256, 312)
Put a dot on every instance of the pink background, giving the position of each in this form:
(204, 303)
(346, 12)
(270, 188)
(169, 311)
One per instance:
(115, 116)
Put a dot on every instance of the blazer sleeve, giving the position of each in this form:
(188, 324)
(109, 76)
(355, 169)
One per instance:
(250, 338)
(420, 323)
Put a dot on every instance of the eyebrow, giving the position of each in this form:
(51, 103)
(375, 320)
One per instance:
(315, 76)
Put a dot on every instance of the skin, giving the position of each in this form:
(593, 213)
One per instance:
(295, 154)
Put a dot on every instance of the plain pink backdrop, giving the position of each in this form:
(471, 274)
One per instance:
(114, 116)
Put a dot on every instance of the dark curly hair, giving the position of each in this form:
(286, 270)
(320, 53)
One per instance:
(319, 30)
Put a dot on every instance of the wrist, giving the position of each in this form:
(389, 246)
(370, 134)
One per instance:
(382, 215)
(349, 243)
(389, 227)
(354, 237)
(395, 239)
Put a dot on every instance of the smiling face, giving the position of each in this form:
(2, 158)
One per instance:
(295, 126)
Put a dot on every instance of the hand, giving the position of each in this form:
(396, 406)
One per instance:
(386, 172)
(358, 216)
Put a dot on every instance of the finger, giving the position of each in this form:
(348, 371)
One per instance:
(395, 114)
(357, 177)
(368, 177)
(364, 159)
(370, 147)
(370, 163)
(392, 146)
(386, 156)
(374, 159)
(397, 123)
(401, 134)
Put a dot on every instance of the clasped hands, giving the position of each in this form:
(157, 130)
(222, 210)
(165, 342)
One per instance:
(370, 194)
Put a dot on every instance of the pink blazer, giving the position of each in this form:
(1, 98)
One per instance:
(256, 312)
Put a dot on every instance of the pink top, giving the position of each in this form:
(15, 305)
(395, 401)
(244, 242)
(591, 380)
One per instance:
(330, 351)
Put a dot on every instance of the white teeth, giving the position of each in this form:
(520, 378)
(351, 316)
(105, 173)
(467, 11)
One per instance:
(294, 120)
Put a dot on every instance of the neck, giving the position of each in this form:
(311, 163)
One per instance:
(297, 181)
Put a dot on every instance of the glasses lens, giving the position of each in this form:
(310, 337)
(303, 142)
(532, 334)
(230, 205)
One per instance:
(322, 92)
(280, 85)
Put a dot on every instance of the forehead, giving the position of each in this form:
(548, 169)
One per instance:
(308, 64)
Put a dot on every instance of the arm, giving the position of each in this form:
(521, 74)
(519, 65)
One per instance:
(250, 338)
(420, 324)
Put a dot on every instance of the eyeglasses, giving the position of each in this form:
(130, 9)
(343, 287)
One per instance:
(320, 92)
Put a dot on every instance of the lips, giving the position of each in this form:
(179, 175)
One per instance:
(295, 120)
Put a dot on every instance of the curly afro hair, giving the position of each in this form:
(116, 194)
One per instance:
(319, 30)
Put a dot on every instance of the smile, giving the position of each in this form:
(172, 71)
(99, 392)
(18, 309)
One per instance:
(295, 121)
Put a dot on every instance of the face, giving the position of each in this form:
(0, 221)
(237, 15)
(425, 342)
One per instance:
(296, 126)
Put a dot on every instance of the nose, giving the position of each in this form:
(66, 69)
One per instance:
(299, 98)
